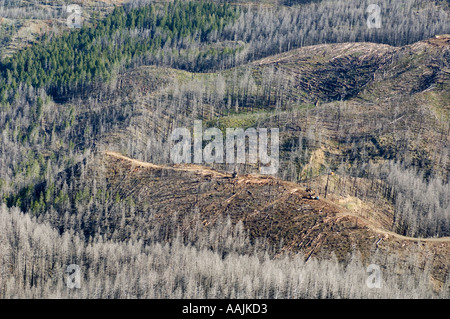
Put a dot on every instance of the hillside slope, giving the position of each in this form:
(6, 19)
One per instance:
(366, 101)
(269, 208)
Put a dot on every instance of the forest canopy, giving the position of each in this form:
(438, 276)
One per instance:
(92, 53)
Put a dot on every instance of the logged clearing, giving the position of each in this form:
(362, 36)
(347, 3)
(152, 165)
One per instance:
(268, 207)
(290, 189)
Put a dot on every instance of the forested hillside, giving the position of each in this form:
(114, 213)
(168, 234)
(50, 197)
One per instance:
(92, 54)
(204, 36)
(86, 177)
(174, 269)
